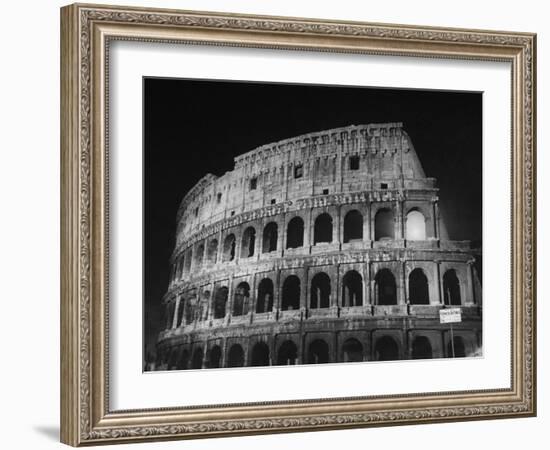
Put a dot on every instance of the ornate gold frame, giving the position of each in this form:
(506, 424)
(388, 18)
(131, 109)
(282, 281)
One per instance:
(86, 31)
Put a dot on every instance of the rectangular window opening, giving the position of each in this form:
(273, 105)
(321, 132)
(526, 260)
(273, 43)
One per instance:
(354, 162)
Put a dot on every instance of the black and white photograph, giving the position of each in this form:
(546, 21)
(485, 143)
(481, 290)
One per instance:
(289, 224)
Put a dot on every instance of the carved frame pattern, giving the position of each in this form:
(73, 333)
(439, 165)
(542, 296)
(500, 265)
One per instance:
(86, 32)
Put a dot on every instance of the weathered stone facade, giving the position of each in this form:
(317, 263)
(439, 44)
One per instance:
(326, 247)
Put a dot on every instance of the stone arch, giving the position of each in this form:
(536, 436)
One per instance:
(421, 348)
(178, 275)
(179, 319)
(451, 288)
(318, 352)
(386, 349)
(270, 236)
(187, 260)
(320, 291)
(415, 227)
(235, 356)
(419, 292)
(240, 299)
(353, 226)
(248, 242)
(459, 347)
(352, 350)
(295, 233)
(291, 293)
(215, 357)
(287, 354)
(220, 302)
(198, 355)
(190, 312)
(385, 289)
(264, 300)
(260, 355)
(199, 253)
(322, 231)
(229, 247)
(212, 252)
(384, 225)
(352, 289)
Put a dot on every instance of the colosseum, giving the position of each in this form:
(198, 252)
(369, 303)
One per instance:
(323, 248)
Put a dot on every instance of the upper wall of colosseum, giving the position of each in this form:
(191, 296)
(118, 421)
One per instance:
(350, 159)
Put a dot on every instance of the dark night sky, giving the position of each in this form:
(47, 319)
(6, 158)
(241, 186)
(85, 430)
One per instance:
(193, 127)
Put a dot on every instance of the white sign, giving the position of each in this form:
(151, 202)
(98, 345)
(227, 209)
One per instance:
(450, 315)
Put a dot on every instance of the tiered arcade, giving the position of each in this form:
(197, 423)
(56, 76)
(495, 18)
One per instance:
(326, 247)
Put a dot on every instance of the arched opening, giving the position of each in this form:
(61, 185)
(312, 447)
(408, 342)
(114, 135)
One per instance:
(187, 261)
(248, 243)
(229, 248)
(421, 348)
(318, 352)
(183, 361)
(384, 288)
(416, 226)
(418, 288)
(264, 301)
(189, 312)
(384, 225)
(386, 349)
(220, 302)
(287, 354)
(198, 355)
(459, 348)
(291, 293)
(451, 288)
(352, 350)
(199, 255)
(353, 226)
(215, 357)
(320, 291)
(260, 355)
(179, 320)
(201, 311)
(235, 357)
(270, 238)
(352, 289)
(295, 233)
(323, 229)
(212, 254)
(240, 299)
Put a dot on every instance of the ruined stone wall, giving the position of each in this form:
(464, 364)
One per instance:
(306, 166)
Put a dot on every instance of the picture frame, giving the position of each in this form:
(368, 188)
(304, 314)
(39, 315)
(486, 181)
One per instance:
(87, 32)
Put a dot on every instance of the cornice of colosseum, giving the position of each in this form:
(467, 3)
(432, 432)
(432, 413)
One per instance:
(320, 144)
